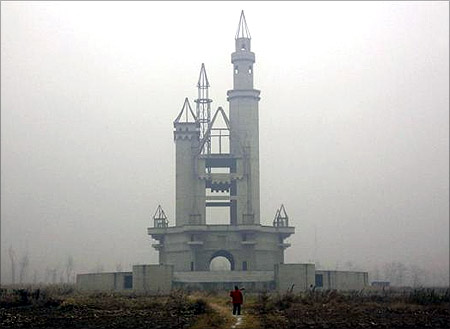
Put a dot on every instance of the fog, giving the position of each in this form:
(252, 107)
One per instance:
(354, 128)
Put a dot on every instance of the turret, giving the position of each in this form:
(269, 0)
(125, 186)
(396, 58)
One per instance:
(187, 140)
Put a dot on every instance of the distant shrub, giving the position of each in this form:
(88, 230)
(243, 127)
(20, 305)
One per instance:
(25, 297)
(200, 306)
(428, 296)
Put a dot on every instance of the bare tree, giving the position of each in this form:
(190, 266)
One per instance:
(61, 276)
(389, 271)
(417, 275)
(12, 257)
(54, 275)
(401, 272)
(69, 268)
(395, 273)
(376, 273)
(24, 262)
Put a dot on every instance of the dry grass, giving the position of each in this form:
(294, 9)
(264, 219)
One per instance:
(410, 309)
(63, 306)
(25, 308)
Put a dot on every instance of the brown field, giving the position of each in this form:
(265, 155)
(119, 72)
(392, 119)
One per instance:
(63, 307)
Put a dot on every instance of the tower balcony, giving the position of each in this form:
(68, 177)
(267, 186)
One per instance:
(221, 178)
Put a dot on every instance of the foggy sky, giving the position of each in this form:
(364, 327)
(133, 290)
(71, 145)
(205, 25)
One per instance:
(354, 126)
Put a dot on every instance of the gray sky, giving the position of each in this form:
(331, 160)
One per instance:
(354, 125)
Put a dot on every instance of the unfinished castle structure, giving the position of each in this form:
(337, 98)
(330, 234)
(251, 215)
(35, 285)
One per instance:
(217, 166)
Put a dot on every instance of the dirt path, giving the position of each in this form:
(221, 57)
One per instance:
(238, 322)
(225, 311)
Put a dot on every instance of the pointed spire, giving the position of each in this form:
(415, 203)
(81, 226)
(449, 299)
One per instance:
(160, 218)
(203, 78)
(186, 114)
(281, 217)
(243, 31)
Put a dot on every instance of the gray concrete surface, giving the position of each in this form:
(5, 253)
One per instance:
(115, 281)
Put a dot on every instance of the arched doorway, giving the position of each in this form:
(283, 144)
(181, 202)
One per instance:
(221, 260)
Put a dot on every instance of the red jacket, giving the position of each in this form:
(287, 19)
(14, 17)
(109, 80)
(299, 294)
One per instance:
(237, 297)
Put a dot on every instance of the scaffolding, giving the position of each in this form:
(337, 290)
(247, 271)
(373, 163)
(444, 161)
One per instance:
(203, 110)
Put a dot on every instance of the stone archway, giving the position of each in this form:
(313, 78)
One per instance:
(225, 254)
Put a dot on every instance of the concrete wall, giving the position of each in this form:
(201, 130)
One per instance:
(103, 281)
(252, 281)
(298, 276)
(343, 280)
(152, 278)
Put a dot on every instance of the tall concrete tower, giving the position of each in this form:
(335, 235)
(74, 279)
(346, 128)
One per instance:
(244, 140)
(218, 166)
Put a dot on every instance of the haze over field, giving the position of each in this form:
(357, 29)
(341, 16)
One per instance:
(353, 123)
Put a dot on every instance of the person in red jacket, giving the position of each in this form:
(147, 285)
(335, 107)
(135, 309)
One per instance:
(237, 300)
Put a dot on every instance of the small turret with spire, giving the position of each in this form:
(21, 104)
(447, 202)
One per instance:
(243, 34)
(243, 59)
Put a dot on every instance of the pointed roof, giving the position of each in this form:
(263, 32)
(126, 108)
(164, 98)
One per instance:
(211, 125)
(281, 217)
(159, 213)
(186, 114)
(242, 31)
(203, 78)
(283, 214)
(160, 218)
(224, 118)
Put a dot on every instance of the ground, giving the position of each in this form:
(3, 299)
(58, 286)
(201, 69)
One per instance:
(63, 306)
